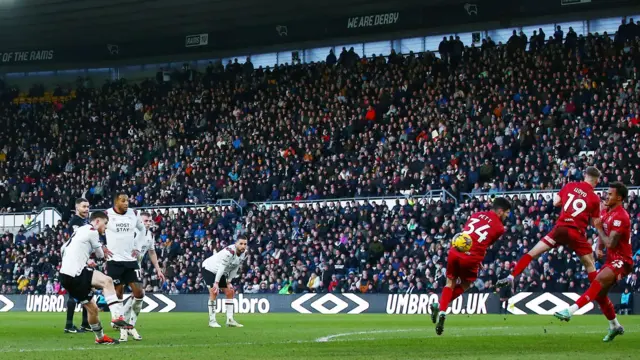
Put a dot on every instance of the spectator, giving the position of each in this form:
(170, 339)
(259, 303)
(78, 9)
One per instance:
(625, 303)
(474, 121)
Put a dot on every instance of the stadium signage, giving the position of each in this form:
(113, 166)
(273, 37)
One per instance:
(524, 303)
(46, 303)
(327, 304)
(412, 304)
(574, 2)
(6, 304)
(303, 304)
(373, 20)
(196, 40)
(26, 56)
(243, 305)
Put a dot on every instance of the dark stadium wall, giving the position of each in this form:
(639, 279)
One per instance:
(310, 31)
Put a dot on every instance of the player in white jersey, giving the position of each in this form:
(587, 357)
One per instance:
(123, 266)
(81, 217)
(79, 279)
(146, 243)
(217, 273)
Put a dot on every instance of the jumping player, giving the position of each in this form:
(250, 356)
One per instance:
(79, 279)
(614, 230)
(579, 203)
(217, 272)
(484, 228)
(80, 218)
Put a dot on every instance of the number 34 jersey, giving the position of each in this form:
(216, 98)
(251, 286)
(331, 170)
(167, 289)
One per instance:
(484, 228)
(579, 203)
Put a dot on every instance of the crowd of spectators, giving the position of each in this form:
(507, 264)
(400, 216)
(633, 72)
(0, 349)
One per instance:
(489, 119)
(397, 247)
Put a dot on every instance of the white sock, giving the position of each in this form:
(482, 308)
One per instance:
(115, 305)
(135, 311)
(97, 330)
(573, 308)
(212, 310)
(229, 306)
(614, 323)
(126, 308)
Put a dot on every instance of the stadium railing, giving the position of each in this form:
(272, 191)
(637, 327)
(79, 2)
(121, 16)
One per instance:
(532, 194)
(13, 222)
(51, 216)
(390, 201)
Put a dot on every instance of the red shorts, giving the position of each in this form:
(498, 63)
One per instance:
(619, 268)
(569, 237)
(462, 266)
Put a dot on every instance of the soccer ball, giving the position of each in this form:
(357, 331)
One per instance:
(462, 242)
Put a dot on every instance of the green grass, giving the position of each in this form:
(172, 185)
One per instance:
(293, 336)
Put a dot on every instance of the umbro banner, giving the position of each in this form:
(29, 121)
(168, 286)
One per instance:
(524, 303)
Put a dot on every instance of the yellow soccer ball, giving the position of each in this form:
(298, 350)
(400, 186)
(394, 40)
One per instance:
(462, 242)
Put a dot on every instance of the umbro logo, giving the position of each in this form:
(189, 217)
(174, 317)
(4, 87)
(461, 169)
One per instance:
(544, 304)
(329, 304)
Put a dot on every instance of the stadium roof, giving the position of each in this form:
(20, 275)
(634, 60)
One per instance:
(49, 23)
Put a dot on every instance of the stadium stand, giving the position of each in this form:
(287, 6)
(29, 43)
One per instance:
(483, 119)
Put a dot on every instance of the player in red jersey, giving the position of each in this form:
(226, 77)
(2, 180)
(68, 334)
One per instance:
(614, 229)
(484, 228)
(579, 203)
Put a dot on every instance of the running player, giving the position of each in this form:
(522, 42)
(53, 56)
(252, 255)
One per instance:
(217, 272)
(614, 229)
(79, 279)
(484, 228)
(145, 241)
(80, 218)
(579, 203)
(123, 266)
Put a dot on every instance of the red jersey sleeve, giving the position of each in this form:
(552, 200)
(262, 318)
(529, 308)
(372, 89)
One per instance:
(595, 206)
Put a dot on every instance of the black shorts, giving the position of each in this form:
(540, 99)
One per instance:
(124, 272)
(79, 287)
(210, 279)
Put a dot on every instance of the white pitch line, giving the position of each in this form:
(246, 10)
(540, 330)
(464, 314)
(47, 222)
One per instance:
(331, 337)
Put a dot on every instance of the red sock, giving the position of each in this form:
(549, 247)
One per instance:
(457, 291)
(590, 294)
(445, 299)
(607, 307)
(592, 275)
(521, 265)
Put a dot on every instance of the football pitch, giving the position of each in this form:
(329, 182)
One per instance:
(295, 336)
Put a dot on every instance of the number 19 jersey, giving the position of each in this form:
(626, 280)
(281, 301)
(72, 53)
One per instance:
(484, 228)
(579, 203)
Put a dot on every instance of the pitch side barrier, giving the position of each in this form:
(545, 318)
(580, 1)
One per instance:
(50, 216)
(547, 195)
(525, 303)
